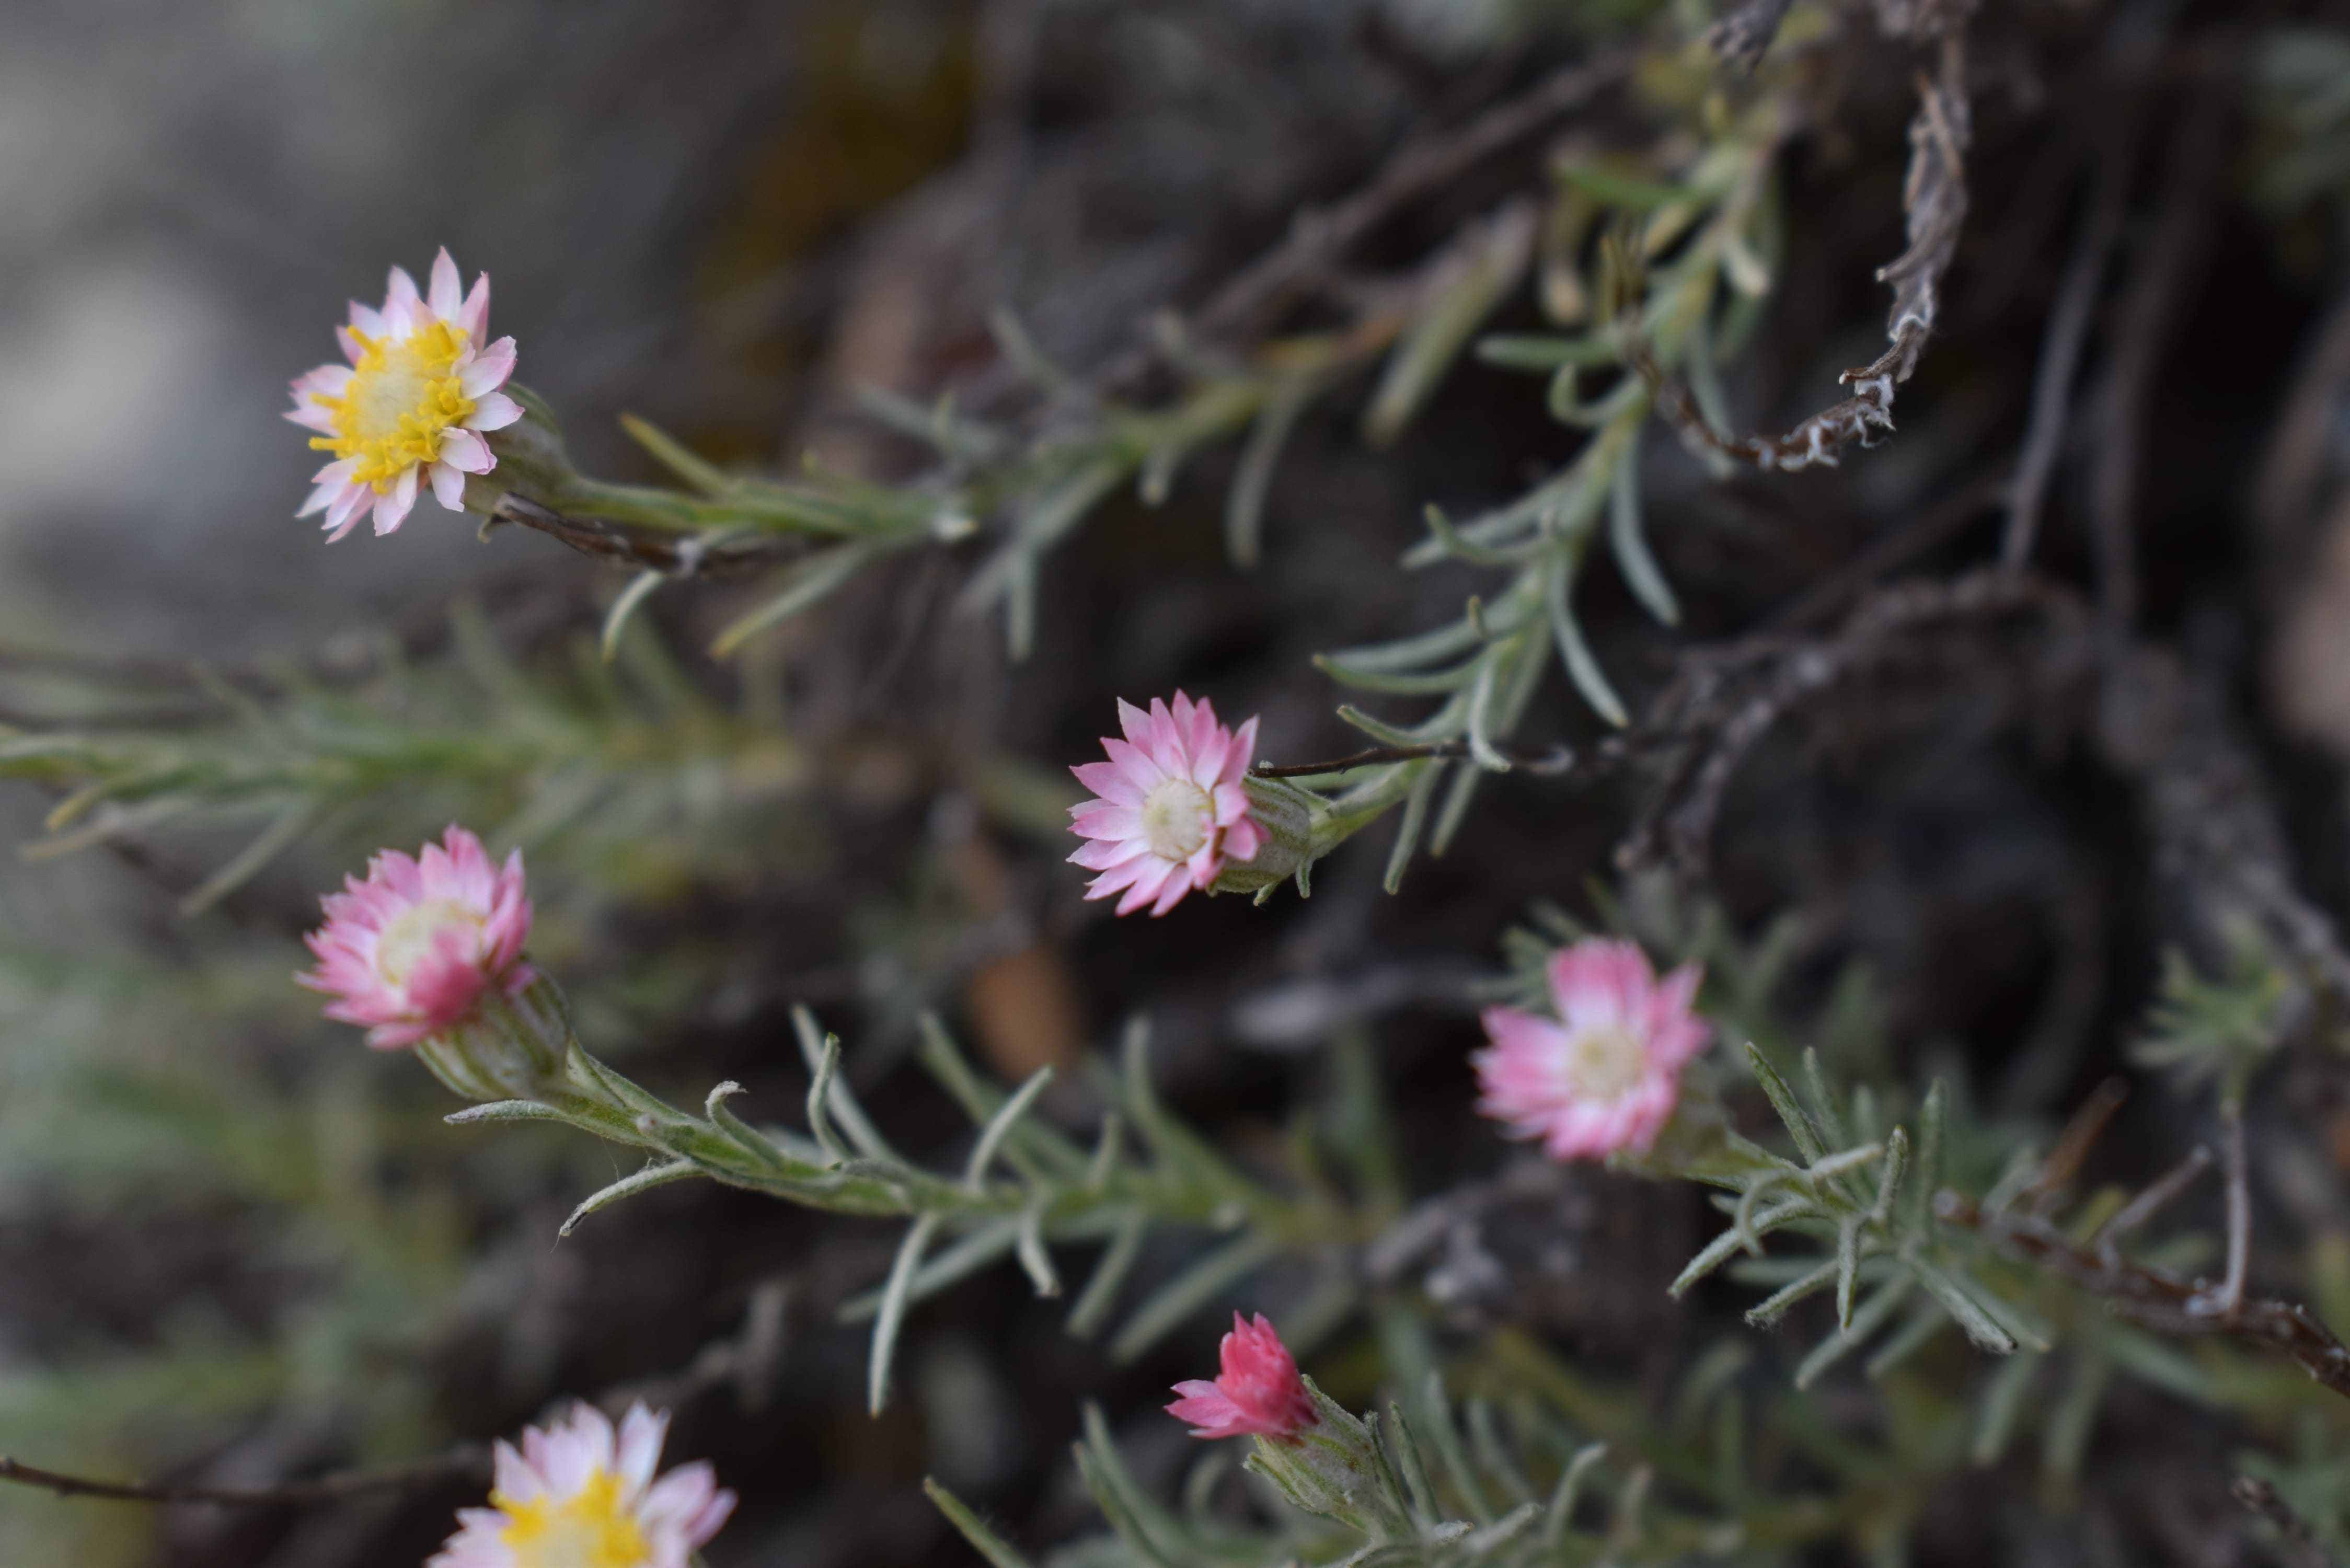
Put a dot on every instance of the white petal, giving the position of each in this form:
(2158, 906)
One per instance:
(488, 369)
(640, 1446)
(398, 292)
(392, 510)
(449, 487)
(494, 411)
(321, 497)
(466, 452)
(344, 515)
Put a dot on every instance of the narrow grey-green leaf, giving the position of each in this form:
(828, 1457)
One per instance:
(615, 619)
(1189, 1292)
(1962, 1307)
(1628, 538)
(892, 1315)
(808, 582)
(628, 1186)
(984, 1541)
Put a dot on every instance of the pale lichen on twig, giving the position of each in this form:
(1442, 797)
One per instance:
(1934, 200)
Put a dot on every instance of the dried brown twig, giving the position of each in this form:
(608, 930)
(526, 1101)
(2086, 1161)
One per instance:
(1934, 199)
(2302, 1548)
(2163, 279)
(1558, 760)
(470, 1462)
(1246, 305)
(2155, 1298)
(1741, 37)
(1725, 700)
(1249, 300)
(746, 1359)
(2061, 345)
(2211, 811)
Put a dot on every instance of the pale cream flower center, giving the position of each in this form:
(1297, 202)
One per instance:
(1177, 817)
(412, 934)
(404, 395)
(381, 397)
(1605, 1062)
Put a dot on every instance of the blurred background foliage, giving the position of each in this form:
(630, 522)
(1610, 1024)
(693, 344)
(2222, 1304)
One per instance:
(234, 1246)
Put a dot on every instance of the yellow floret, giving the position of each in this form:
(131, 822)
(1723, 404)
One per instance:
(404, 394)
(592, 1528)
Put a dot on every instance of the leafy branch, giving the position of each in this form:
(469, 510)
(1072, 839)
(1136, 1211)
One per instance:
(1025, 1187)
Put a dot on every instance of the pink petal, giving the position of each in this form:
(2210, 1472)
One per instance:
(1242, 754)
(1167, 743)
(473, 316)
(448, 297)
(1135, 763)
(1107, 782)
(1171, 893)
(1107, 854)
(1102, 819)
(1598, 983)
(1208, 754)
(1149, 881)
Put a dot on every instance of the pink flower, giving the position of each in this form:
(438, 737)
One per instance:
(1606, 1075)
(420, 392)
(410, 951)
(1258, 1391)
(1170, 809)
(579, 1495)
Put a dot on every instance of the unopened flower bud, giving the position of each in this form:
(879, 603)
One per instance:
(1288, 821)
(509, 1048)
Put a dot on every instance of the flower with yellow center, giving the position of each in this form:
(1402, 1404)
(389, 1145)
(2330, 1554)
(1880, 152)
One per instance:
(1169, 806)
(579, 1494)
(420, 392)
(1605, 1074)
(413, 950)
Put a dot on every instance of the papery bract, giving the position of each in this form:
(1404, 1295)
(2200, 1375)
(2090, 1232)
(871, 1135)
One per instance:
(411, 951)
(581, 1495)
(1605, 1074)
(1170, 807)
(412, 407)
(1258, 1391)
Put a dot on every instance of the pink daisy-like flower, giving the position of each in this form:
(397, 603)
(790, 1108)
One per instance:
(1170, 808)
(1605, 1074)
(410, 951)
(1258, 1391)
(580, 1495)
(420, 392)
